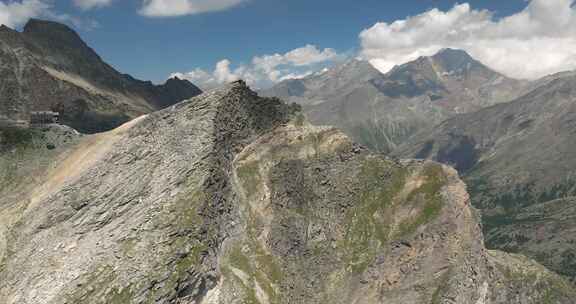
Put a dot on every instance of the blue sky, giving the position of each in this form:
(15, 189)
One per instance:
(152, 48)
(155, 47)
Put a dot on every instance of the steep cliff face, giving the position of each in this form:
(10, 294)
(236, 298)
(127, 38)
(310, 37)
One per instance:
(233, 198)
(49, 67)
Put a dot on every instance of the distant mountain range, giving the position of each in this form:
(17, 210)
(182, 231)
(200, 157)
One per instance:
(518, 159)
(47, 66)
(383, 110)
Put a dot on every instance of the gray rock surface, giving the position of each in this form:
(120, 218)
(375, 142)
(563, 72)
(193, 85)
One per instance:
(233, 198)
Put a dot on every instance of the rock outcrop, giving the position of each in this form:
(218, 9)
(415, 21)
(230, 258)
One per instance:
(49, 67)
(233, 198)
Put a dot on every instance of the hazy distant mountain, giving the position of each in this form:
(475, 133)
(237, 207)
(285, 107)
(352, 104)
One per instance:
(328, 85)
(49, 67)
(383, 110)
(518, 159)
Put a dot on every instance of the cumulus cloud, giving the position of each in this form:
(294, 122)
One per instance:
(170, 8)
(16, 13)
(90, 4)
(265, 70)
(539, 40)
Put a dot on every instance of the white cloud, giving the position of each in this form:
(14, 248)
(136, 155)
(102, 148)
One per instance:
(539, 40)
(309, 54)
(304, 56)
(79, 23)
(16, 13)
(265, 70)
(90, 4)
(169, 8)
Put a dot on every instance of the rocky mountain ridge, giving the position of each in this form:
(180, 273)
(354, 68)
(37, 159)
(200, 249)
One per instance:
(47, 66)
(233, 198)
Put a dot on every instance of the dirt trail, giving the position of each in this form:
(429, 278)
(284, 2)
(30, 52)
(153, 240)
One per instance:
(72, 164)
(88, 152)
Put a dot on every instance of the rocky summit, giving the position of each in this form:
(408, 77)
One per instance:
(47, 67)
(382, 111)
(229, 197)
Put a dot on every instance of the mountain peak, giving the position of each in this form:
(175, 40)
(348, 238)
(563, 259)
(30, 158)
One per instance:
(454, 59)
(176, 80)
(8, 34)
(353, 70)
(358, 64)
(238, 87)
(3, 27)
(453, 53)
(54, 35)
(179, 89)
(36, 25)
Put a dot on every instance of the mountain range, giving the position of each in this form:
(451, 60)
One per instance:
(518, 160)
(335, 188)
(183, 206)
(381, 111)
(47, 66)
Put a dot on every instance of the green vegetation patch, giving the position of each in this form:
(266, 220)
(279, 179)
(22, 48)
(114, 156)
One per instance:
(249, 177)
(120, 296)
(17, 137)
(299, 119)
(187, 245)
(96, 286)
(426, 198)
(368, 221)
(21, 160)
(188, 215)
(239, 260)
(266, 263)
(249, 255)
(381, 138)
(549, 288)
(259, 267)
(442, 288)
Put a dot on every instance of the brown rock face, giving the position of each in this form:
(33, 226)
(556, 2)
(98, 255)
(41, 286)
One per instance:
(49, 67)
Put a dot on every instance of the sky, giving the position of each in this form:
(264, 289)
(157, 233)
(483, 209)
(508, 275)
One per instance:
(265, 41)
